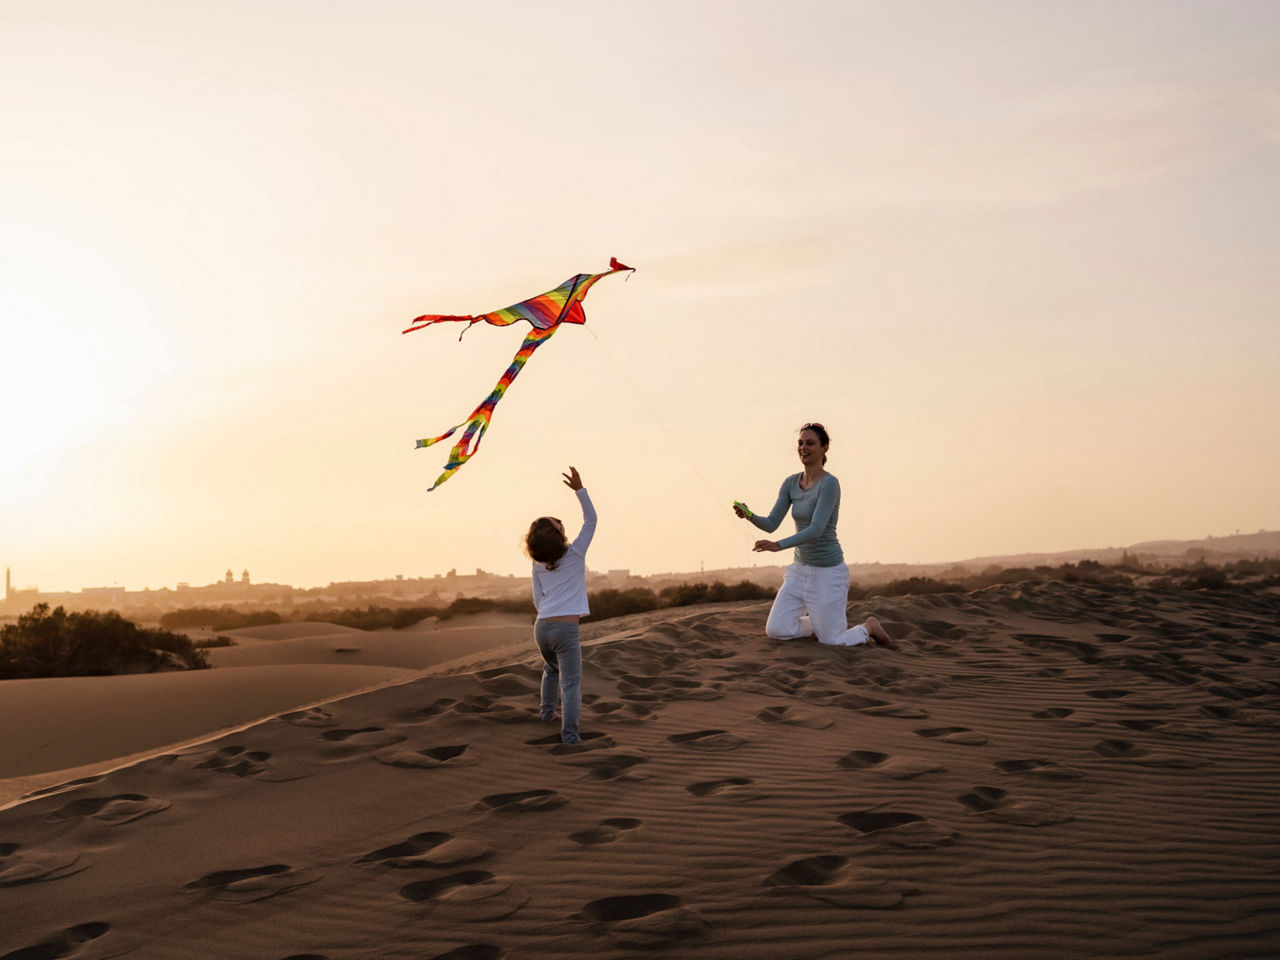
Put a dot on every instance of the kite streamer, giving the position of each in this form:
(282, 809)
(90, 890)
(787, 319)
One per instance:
(544, 313)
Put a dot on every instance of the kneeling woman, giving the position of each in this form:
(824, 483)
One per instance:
(815, 593)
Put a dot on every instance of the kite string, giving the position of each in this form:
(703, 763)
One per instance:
(645, 403)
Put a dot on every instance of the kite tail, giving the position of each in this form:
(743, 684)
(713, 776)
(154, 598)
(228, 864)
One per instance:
(478, 422)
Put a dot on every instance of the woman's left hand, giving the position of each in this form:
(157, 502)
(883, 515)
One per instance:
(766, 546)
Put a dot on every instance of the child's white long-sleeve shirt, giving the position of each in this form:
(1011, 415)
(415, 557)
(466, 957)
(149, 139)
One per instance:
(563, 591)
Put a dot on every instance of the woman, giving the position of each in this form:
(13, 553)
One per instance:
(560, 596)
(815, 591)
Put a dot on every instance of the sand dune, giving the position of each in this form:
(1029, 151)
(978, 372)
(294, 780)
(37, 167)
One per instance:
(57, 729)
(1037, 772)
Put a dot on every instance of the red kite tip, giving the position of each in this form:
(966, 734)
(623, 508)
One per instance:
(615, 265)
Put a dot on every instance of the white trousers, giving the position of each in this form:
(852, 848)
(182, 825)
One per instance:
(814, 600)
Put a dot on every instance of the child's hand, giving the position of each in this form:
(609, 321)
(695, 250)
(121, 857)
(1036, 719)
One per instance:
(572, 480)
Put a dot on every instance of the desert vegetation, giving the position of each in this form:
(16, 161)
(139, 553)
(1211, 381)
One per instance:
(55, 643)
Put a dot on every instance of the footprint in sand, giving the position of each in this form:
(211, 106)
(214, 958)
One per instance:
(431, 758)
(60, 787)
(792, 717)
(432, 710)
(834, 879)
(121, 808)
(362, 737)
(730, 788)
(707, 740)
(428, 850)
(898, 828)
(473, 951)
(1044, 769)
(525, 801)
(508, 685)
(607, 832)
(491, 708)
(607, 764)
(1171, 728)
(33, 866)
(64, 944)
(960, 735)
(1124, 750)
(992, 803)
(1065, 716)
(897, 768)
(646, 920)
(1108, 694)
(590, 741)
(311, 717)
(239, 761)
(619, 712)
(470, 894)
(255, 883)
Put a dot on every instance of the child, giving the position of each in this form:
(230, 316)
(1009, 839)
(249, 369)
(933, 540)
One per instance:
(560, 595)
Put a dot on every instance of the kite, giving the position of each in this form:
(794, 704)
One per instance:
(545, 313)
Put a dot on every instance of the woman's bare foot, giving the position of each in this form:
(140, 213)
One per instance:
(878, 633)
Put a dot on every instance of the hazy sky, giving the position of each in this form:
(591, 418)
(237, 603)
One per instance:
(1020, 258)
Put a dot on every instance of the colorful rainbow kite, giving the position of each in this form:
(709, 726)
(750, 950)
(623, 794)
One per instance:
(545, 312)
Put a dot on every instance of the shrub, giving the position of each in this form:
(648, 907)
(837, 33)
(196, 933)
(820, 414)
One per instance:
(46, 643)
(897, 588)
(618, 603)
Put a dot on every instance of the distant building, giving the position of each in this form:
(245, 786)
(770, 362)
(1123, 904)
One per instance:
(244, 578)
(231, 577)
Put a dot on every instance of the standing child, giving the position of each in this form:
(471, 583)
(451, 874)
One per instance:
(560, 596)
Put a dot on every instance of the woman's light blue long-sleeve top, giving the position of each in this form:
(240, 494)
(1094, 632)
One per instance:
(815, 512)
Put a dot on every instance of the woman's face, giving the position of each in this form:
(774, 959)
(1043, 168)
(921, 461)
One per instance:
(810, 449)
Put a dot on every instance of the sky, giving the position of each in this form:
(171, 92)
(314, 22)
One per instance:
(1020, 259)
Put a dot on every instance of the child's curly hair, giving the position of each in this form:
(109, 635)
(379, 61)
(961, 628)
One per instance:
(545, 543)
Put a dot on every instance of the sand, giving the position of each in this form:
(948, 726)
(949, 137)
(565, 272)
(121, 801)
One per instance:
(1036, 772)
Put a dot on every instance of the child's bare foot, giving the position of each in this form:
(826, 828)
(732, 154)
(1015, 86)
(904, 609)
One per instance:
(878, 633)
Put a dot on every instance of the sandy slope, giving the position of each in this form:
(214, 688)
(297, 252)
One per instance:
(1037, 772)
(56, 729)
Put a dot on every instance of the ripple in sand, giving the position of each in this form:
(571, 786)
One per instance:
(647, 920)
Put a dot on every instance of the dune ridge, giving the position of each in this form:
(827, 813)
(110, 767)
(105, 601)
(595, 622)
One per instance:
(1036, 772)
